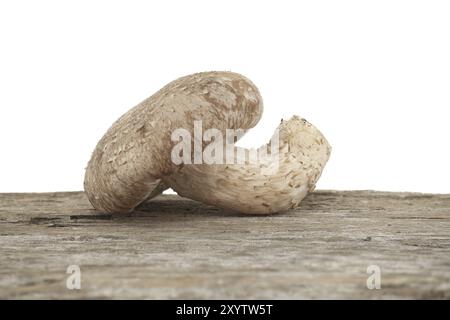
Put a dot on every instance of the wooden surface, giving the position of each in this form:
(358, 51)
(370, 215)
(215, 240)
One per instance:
(177, 248)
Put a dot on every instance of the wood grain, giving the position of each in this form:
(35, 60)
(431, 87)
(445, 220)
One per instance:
(177, 248)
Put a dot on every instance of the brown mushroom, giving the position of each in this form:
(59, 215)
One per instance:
(134, 160)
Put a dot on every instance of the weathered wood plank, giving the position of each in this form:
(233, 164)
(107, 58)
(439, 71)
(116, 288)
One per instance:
(177, 248)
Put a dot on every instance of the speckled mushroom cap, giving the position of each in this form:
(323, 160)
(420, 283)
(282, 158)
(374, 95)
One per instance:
(133, 156)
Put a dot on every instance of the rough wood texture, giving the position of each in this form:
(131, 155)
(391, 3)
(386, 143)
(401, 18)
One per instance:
(178, 248)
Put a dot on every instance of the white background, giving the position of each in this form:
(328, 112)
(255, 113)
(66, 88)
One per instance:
(373, 76)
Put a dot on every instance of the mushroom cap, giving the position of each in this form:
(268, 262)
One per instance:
(130, 161)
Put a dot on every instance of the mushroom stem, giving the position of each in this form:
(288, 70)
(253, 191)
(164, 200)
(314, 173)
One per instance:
(275, 183)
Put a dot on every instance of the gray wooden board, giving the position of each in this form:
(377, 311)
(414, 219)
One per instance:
(177, 248)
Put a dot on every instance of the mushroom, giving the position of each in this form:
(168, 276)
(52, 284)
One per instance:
(133, 162)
